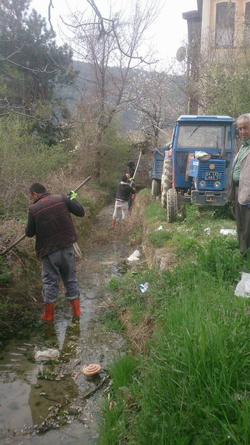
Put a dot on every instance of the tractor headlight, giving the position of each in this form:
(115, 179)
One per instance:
(202, 183)
(217, 184)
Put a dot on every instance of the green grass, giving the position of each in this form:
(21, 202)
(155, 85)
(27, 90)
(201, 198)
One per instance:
(111, 322)
(191, 385)
(196, 369)
(155, 213)
(159, 238)
(5, 273)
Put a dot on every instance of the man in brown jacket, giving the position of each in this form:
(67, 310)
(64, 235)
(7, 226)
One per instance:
(50, 221)
(240, 185)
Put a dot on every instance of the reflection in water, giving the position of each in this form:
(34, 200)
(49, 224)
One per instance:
(50, 397)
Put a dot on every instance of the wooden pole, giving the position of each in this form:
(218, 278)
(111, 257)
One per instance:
(82, 184)
(13, 245)
(160, 130)
(137, 165)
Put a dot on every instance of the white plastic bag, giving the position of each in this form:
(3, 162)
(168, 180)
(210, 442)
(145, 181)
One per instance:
(46, 354)
(243, 287)
(228, 232)
(135, 256)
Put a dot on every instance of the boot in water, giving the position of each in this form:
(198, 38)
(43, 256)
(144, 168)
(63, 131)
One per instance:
(75, 306)
(49, 312)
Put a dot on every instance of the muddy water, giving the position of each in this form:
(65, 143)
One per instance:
(45, 402)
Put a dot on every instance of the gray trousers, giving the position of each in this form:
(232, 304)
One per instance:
(60, 263)
(123, 206)
(242, 214)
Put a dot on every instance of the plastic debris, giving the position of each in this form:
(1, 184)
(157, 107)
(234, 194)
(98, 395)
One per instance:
(91, 370)
(143, 287)
(135, 256)
(207, 231)
(46, 354)
(202, 155)
(160, 228)
(228, 232)
(243, 287)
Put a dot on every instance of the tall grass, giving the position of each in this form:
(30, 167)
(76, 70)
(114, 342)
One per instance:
(192, 385)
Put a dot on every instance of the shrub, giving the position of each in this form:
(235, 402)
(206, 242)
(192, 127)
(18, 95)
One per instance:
(24, 159)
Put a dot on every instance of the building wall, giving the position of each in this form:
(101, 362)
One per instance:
(209, 21)
(212, 39)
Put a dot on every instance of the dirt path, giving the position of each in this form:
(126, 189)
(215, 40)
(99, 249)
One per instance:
(44, 403)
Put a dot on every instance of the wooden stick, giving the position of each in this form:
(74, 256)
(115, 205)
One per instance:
(13, 245)
(82, 184)
(160, 130)
(137, 165)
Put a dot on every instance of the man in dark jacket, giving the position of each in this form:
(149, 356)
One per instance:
(50, 221)
(122, 196)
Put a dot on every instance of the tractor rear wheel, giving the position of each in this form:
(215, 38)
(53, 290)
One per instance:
(172, 205)
(166, 180)
(155, 187)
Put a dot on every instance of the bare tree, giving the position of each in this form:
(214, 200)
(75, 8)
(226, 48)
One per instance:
(112, 47)
(158, 101)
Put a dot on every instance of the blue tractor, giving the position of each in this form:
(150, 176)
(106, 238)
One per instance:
(197, 168)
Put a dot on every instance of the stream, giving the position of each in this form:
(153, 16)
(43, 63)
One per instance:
(53, 402)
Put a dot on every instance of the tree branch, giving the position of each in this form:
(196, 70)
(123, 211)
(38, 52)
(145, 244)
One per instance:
(49, 14)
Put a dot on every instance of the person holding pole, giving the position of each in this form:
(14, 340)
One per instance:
(49, 219)
(122, 196)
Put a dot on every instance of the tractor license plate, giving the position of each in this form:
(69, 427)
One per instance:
(211, 176)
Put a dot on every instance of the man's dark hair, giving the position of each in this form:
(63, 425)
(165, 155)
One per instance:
(37, 188)
(124, 178)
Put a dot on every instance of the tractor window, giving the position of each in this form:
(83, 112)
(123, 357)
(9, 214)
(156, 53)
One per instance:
(204, 137)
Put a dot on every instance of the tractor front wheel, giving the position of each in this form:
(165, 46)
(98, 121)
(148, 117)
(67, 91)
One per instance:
(166, 180)
(172, 205)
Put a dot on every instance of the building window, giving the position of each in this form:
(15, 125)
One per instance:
(225, 23)
(247, 14)
(247, 23)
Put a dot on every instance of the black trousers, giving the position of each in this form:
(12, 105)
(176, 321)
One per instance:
(242, 214)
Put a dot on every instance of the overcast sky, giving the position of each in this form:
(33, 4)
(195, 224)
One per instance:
(169, 31)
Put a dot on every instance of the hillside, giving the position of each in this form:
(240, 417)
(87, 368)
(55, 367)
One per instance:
(129, 117)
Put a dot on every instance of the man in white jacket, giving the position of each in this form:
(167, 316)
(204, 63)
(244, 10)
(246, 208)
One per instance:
(240, 185)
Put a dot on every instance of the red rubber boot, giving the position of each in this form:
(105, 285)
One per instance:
(75, 306)
(49, 312)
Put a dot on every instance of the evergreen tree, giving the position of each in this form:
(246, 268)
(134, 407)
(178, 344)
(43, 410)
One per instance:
(31, 64)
